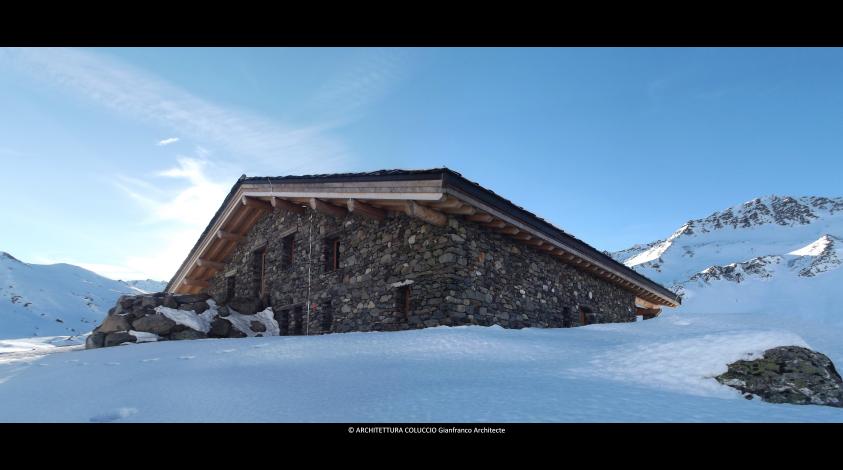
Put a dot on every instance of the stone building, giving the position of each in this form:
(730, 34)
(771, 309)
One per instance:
(398, 249)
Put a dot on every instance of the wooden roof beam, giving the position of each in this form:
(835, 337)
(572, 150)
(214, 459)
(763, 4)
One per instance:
(449, 202)
(196, 283)
(235, 237)
(523, 236)
(205, 263)
(287, 206)
(483, 218)
(426, 214)
(509, 230)
(357, 207)
(463, 210)
(256, 203)
(325, 208)
(496, 224)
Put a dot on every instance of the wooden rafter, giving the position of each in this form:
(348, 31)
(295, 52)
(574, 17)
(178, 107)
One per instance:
(509, 230)
(196, 283)
(223, 235)
(357, 207)
(496, 224)
(482, 218)
(426, 214)
(287, 206)
(256, 203)
(205, 263)
(325, 208)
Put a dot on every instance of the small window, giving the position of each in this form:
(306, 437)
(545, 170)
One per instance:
(585, 313)
(332, 254)
(287, 249)
(403, 301)
(327, 317)
(259, 264)
(298, 321)
(230, 288)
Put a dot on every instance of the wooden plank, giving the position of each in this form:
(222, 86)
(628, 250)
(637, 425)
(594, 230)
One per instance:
(325, 208)
(523, 236)
(357, 207)
(223, 235)
(426, 214)
(286, 206)
(509, 230)
(449, 202)
(256, 203)
(205, 263)
(196, 283)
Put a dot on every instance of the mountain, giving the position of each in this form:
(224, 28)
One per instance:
(777, 254)
(57, 299)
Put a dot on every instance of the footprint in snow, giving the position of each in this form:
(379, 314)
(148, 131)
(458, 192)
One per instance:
(187, 357)
(226, 351)
(120, 413)
(153, 359)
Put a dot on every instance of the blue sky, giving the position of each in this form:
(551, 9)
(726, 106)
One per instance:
(115, 159)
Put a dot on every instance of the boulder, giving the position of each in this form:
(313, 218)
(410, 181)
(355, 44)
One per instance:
(157, 323)
(95, 340)
(170, 302)
(222, 310)
(788, 374)
(113, 339)
(188, 334)
(235, 333)
(257, 326)
(246, 306)
(200, 307)
(149, 301)
(190, 298)
(126, 301)
(114, 323)
(220, 328)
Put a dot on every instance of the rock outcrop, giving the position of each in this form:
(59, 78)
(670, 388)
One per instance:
(788, 374)
(161, 317)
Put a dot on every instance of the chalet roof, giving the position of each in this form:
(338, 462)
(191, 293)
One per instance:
(434, 186)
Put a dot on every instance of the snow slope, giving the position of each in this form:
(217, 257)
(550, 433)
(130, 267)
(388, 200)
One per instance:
(56, 299)
(659, 370)
(772, 254)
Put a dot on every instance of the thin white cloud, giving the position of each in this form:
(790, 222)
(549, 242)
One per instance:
(130, 91)
(168, 141)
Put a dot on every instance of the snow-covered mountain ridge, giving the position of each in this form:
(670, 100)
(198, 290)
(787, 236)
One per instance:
(776, 252)
(57, 299)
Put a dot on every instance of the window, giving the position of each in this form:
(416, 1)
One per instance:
(566, 317)
(584, 315)
(298, 321)
(230, 288)
(332, 254)
(287, 247)
(403, 301)
(327, 317)
(259, 264)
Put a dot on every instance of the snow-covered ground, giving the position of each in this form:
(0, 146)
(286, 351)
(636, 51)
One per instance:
(657, 370)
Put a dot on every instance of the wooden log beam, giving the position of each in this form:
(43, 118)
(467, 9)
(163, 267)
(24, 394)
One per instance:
(449, 203)
(287, 206)
(235, 237)
(206, 263)
(357, 207)
(325, 208)
(483, 218)
(196, 283)
(523, 236)
(509, 230)
(463, 210)
(256, 203)
(426, 214)
(496, 224)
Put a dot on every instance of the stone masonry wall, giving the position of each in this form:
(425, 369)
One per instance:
(458, 274)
